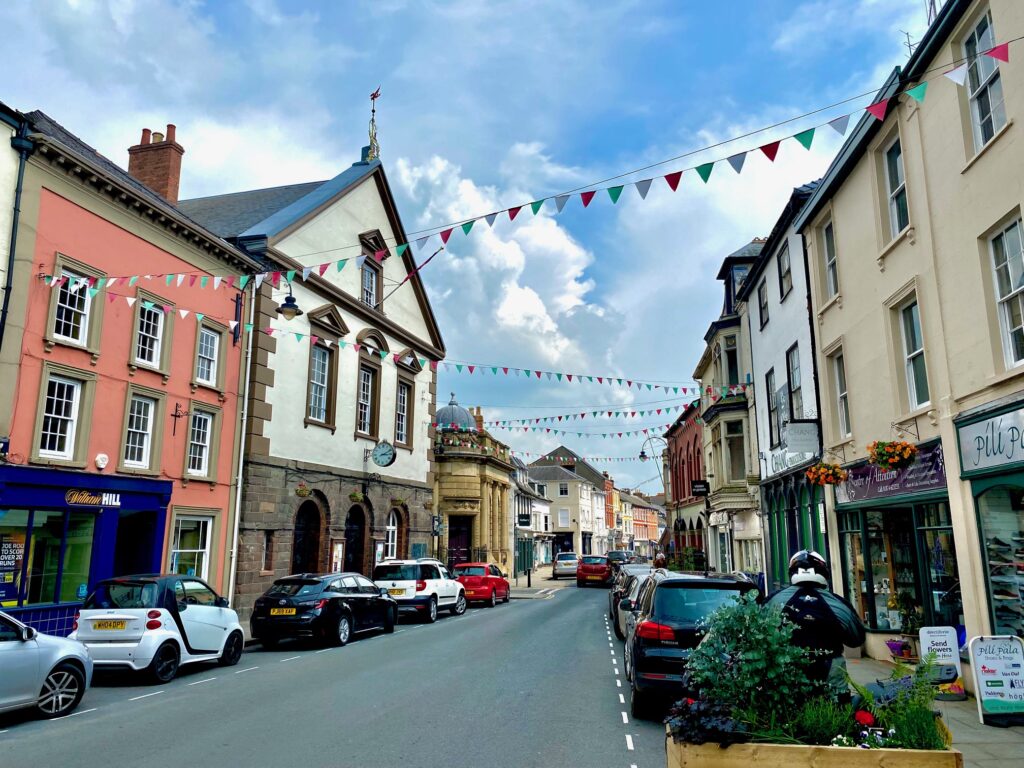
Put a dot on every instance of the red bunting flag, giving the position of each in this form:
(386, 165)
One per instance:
(586, 197)
(379, 255)
(1000, 52)
(513, 212)
(471, 368)
(323, 268)
(538, 374)
(275, 278)
(192, 280)
(505, 370)
(673, 179)
(878, 110)
(771, 150)
(445, 235)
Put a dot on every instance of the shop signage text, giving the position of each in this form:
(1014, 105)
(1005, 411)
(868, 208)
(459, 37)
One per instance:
(699, 488)
(867, 481)
(942, 642)
(992, 442)
(79, 498)
(801, 436)
(998, 664)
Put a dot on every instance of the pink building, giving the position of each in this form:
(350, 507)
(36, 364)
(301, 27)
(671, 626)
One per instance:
(120, 380)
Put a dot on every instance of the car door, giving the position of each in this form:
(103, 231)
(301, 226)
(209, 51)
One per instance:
(20, 676)
(348, 587)
(447, 588)
(370, 596)
(631, 618)
(499, 581)
(204, 622)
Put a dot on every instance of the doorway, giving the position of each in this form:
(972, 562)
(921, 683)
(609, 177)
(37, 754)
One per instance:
(355, 540)
(460, 534)
(133, 548)
(306, 541)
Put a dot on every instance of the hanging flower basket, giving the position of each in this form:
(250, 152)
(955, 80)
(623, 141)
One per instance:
(891, 455)
(397, 501)
(302, 490)
(824, 473)
(355, 496)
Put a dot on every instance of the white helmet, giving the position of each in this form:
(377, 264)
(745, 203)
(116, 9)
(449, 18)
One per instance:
(808, 567)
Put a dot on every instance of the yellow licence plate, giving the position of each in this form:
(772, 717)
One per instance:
(595, 578)
(282, 611)
(396, 591)
(109, 624)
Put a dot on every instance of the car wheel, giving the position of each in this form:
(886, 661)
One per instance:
(269, 643)
(492, 600)
(390, 621)
(232, 650)
(508, 595)
(342, 631)
(639, 705)
(431, 616)
(165, 662)
(460, 605)
(62, 690)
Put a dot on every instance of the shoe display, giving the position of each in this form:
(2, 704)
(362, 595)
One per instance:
(1005, 594)
(999, 558)
(996, 543)
(1003, 578)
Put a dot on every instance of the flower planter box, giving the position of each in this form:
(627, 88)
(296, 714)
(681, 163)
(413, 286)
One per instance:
(686, 755)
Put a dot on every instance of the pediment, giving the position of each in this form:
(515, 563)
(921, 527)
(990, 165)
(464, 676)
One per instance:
(328, 318)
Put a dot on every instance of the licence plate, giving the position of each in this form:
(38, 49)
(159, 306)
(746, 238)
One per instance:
(595, 578)
(396, 591)
(109, 625)
(282, 611)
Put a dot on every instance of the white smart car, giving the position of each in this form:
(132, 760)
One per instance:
(156, 623)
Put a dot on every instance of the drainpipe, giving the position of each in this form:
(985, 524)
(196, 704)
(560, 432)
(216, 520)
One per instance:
(817, 389)
(241, 450)
(21, 144)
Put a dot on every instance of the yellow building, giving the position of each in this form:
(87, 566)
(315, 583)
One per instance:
(914, 245)
(472, 489)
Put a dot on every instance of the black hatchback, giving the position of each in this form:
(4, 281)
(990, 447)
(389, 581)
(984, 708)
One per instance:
(662, 627)
(329, 607)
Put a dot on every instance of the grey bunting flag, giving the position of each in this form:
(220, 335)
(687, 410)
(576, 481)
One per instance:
(422, 241)
(840, 124)
(736, 161)
(490, 217)
(560, 202)
(305, 272)
(643, 186)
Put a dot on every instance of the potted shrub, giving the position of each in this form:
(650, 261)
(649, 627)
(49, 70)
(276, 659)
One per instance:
(891, 455)
(750, 702)
(823, 473)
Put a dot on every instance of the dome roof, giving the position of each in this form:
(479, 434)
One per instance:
(454, 418)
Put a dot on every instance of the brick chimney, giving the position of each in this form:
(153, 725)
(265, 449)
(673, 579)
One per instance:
(478, 414)
(156, 162)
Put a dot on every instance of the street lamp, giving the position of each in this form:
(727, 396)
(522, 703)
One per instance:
(289, 310)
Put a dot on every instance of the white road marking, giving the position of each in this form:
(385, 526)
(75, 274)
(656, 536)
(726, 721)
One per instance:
(399, 631)
(618, 683)
(3, 732)
(622, 699)
(199, 682)
(624, 718)
(146, 695)
(290, 658)
(247, 669)
(73, 714)
(629, 742)
(610, 644)
(632, 765)
(616, 670)
(325, 650)
(612, 651)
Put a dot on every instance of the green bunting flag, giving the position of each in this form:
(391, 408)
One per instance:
(298, 337)
(536, 206)
(458, 367)
(614, 192)
(341, 264)
(402, 249)
(918, 91)
(170, 278)
(468, 226)
(133, 280)
(290, 274)
(248, 327)
(199, 317)
(93, 292)
(805, 137)
(242, 281)
(559, 376)
(494, 370)
(704, 171)
(203, 281)
(147, 304)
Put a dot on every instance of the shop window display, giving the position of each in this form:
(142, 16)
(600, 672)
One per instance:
(1001, 518)
(13, 524)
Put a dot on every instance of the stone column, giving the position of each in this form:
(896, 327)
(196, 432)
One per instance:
(485, 515)
(497, 537)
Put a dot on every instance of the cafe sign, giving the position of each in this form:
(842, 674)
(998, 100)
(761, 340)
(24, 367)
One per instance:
(76, 497)
(993, 442)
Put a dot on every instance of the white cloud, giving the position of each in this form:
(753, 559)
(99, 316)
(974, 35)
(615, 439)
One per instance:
(820, 26)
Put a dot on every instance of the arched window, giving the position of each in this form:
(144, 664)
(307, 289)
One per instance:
(391, 536)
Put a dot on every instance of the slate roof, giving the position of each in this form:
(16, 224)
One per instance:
(231, 214)
(552, 474)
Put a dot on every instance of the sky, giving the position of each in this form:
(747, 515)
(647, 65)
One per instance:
(487, 105)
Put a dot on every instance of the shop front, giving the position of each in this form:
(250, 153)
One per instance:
(62, 531)
(991, 444)
(898, 561)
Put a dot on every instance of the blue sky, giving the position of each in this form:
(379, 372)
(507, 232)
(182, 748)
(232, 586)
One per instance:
(486, 105)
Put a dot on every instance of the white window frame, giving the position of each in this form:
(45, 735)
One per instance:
(728, 443)
(368, 293)
(146, 433)
(206, 527)
(842, 393)
(402, 395)
(982, 85)
(793, 372)
(364, 400)
(762, 303)
(785, 274)
(391, 536)
(1014, 287)
(828, 237)
(319, 382)
(214, 360)
(71, 420)
(563, 490)
(206, 447)
(894, 191)
(774, 425)
(156, 317)
(78, 286)
(563, 513)
(910, 355)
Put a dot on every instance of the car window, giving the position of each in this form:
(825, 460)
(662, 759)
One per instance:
(495, 571)
(124, 594)
(595, 560)
(645, 589)
(429, 572)
(335, 586)
(634, 589)
(179, 592)
(443, 572)
(688, 605)
(470, 570)
(567, 556)
(295, 588)
(197, 593)
(365, 586)
(396, 572)
(8, 631)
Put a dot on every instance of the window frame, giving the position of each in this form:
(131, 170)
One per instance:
(830, 258)
(166, 340)
(221, 331)
(267, 552)
(774, 424)
(370, 266)
(560, 494)
(409, 383)
(842, 393)
(391, 535)
(200, 516)
(727, 441)
(762, 302)
(797, 391)
(94, 312)
(786, 274)
(977, 61)
(1003, 303)
(156, 434)
(892, 194)
(330, 387)
(86, 381)
(908, 356)
(215, 415)
(568, 517)
(365, 365)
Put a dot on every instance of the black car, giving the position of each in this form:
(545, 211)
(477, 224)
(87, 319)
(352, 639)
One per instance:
(619, 557)
(330, 607)
(619, 589)
(662, 628)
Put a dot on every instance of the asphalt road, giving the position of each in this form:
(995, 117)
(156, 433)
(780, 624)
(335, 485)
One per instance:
(530, 683)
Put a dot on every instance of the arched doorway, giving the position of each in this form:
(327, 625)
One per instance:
(355, 538)
(306, 541)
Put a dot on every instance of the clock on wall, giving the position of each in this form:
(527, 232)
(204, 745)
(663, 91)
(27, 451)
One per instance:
(384, 454)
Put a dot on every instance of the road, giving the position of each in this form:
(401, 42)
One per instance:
(531, 683)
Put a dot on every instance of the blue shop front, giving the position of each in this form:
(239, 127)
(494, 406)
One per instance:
(63, 531)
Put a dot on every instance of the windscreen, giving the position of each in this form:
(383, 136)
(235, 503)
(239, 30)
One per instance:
(124, 594)
(683, 604)
(567, 556)
(295, 588)
(595, 560)
(617, 556)
(471, 570)
(396, 572)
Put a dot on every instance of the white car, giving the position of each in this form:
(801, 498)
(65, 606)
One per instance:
(48, 673)
(421, 587)
(157, 623)
(565, 564)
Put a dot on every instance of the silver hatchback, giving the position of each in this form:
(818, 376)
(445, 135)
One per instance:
(50, 674)
(565, 564)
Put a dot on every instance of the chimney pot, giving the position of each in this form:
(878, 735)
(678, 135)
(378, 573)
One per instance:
(145, 136)
(157, 137)
(171, 128)
(157, 163)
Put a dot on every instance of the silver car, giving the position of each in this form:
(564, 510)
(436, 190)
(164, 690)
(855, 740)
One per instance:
(50, 674)
(565, 564)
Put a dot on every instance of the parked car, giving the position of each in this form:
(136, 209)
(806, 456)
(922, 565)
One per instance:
(594, 569)
(331, 607)
(484, 582)
(157, 623)
(565, 564)
(47, 673)
(619, 557)
(662, 628)
(626, 584)
(421, 587)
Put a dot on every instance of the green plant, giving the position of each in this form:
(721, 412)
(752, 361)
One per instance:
(821, 719)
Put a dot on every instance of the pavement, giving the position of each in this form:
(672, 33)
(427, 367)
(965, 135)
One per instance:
(531, 683)
(542, 585)
(983, 746)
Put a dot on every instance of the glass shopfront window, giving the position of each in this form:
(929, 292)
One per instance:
(13, 527)
(1001, 520)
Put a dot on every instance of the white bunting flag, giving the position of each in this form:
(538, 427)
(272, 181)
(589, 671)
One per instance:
(490, 217)
(958, 75)
(259, 279)
(839, 124)
(181, 279)
(233, 324)
(359, 262)
(111, 281)
(420, 242)
(305, 273)
(216, 282)
(148, 277)
(736, 161)
(560, 202)
(643, 186)
(183, 313)
(130, 300)
(327, 343)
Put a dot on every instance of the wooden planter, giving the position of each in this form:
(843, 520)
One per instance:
(685, 755)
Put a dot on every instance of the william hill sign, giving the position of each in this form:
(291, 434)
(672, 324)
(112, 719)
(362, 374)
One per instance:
(76, 497)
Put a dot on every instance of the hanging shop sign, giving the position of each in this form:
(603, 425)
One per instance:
(942, 642)
(699, 488)
(801, 436)
(868, 481)
(994, 442)
(998, 666)
(525, 518)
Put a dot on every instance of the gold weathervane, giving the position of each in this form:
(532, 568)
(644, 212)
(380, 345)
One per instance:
(374, 152)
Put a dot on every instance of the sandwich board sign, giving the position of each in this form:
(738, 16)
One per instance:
(998, 666)
(941, 641)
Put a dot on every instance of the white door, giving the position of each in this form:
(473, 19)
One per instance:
(204, 622)
(448, 587)
(20, 680)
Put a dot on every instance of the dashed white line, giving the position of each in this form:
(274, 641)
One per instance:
(247, 669)
(290, 658)
(629, 742)
(616, 670)
(618, 683)
(324, 650)
(624, 718)
(2, 732)
(612, 651)
(610, 644)
(146, 695)
(622, 699)
(399, 631)
(74, 714)
(632, 765)
(200, 682)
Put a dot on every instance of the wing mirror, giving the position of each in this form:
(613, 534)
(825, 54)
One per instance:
(626, 604)
(221, 602)
(28, 633)
(383, 591)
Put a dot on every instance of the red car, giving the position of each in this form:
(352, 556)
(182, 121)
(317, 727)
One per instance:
(484, 582)
(594, 569)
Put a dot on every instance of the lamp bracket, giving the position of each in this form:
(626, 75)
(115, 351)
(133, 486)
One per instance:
(908, 427)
